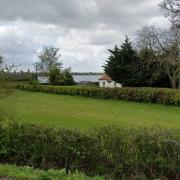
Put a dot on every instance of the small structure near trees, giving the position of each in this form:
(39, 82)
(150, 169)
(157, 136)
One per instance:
(107, 82)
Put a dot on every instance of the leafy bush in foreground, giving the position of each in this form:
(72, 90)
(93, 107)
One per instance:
(110, 152)
(145, 95)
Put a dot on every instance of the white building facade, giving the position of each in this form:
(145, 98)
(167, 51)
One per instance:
(107, 82)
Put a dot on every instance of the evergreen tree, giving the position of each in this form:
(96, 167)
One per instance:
(122, 64)
(112, 64)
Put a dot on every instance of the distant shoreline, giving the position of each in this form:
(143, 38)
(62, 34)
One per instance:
(87, 73)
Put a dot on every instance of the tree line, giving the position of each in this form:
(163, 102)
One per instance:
(155, 58)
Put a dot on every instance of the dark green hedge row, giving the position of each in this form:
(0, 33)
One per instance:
(146, 95)
(108, 151)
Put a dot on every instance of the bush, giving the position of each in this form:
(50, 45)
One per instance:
(61, 78)
(109, 151)
(54, 76)
(143, 95)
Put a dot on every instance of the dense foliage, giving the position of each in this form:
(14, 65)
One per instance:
(144, 95)
(63, 77)
(134, 68)
(110, 152)
(54, 76)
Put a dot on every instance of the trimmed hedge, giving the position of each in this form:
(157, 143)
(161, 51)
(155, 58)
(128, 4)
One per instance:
(110, 152)
(144, 95)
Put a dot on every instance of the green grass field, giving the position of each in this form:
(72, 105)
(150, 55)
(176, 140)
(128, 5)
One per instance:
(83, 113)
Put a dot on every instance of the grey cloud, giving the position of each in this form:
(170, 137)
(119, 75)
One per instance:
(82, 14)
(105, 37)
(82, 29)
(65, 12)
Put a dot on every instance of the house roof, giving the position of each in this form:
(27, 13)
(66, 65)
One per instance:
(105, 77)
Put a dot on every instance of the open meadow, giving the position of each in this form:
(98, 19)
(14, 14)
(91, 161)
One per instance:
(82, 113)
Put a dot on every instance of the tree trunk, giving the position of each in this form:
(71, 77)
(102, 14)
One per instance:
(179, 83)
(172, 81)
(172, 78)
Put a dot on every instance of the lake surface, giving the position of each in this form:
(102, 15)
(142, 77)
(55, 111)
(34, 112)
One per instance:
(86, 78)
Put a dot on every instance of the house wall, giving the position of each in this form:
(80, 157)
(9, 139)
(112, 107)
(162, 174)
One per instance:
(109, 84)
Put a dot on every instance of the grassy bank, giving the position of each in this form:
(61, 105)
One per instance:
(84, 113)
(24, 173)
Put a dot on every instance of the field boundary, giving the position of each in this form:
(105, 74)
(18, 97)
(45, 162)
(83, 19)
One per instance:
(143, 95)
(108, 151)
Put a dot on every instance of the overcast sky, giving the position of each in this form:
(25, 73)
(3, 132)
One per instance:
(82, 29)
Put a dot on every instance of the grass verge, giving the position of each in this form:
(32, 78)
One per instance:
(22, 173)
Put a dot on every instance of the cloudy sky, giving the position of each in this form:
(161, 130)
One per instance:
(82, 29)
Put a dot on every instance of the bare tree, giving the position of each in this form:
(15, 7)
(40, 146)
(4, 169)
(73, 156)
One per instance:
(171, 65)
(171, 9)
(5, 69)
(150, 37)
(165, 42)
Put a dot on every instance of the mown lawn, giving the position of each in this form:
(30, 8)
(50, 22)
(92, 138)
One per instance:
(83, 113)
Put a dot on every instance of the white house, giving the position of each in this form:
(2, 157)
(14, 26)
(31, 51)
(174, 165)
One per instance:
(106, 81)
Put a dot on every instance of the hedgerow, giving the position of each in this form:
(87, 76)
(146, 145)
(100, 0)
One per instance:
(143, 95)
(110, 152)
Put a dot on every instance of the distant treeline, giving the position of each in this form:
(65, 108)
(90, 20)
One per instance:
(30, 75)
(87, 73)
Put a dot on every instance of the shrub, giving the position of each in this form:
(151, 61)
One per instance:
(54, 76)
(109, 151)
(143, 95)
(57, 77)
